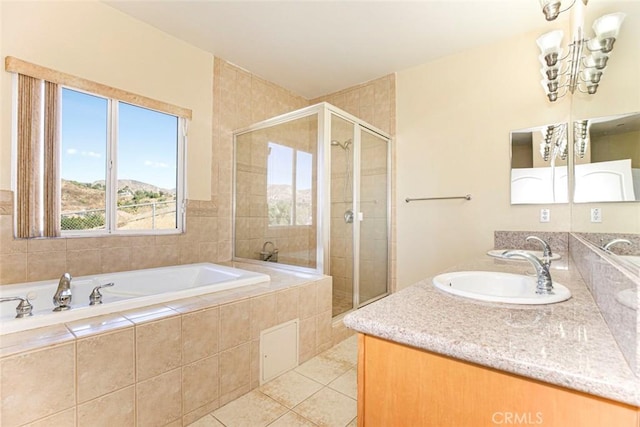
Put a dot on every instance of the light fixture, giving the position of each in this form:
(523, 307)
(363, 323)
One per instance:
(551, 8)
(581, 137)
(583, 65)
(553, 144)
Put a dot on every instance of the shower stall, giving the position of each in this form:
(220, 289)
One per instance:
(312, 193)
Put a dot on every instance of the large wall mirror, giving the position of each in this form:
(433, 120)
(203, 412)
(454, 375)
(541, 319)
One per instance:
(607, 159)
(539, 173)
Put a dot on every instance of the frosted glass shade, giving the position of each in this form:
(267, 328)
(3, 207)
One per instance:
(550, 42)
(608, 25)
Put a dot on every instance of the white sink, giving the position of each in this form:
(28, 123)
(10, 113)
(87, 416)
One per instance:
(497, 253)
(498, 287)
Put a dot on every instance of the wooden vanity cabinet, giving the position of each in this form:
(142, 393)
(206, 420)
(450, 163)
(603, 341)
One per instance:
(407, 387)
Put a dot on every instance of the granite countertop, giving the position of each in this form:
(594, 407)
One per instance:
(566, 344)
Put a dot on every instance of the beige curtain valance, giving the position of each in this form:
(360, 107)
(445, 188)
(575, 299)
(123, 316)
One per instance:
(15, 65)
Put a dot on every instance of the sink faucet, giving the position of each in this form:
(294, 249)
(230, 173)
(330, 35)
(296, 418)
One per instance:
(546, 250)
(608, 245)
(62, 297)
(544, 283)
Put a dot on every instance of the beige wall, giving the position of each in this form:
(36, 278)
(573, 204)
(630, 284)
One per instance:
(94, 41)
(454, 119)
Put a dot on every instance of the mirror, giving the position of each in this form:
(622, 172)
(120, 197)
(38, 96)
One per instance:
(607, 159)
(539, 165)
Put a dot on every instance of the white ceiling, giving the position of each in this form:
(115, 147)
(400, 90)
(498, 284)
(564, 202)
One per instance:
(314, 48)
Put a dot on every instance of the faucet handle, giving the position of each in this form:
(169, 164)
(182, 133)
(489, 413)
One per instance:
(96, 296)
(23, 309)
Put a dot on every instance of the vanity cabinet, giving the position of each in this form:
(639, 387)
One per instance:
(404, 386)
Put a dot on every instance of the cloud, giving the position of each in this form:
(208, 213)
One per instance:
(74, 151)
(155, 164)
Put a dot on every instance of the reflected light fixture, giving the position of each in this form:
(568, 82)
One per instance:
(554, 142)
(586, 59)
(581, 137)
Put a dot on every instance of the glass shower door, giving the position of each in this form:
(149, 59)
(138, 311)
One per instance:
(374, 211)
(342, 218)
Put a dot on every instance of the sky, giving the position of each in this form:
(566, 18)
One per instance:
(147, 148)
(280, 166)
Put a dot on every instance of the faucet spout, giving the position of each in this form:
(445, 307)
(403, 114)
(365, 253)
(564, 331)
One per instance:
(546, 250)
(62, 297)
(608, 245)
(544, 284)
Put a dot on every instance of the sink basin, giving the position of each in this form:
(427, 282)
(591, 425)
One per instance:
(498, 287)
(497, 253)
(632, 259)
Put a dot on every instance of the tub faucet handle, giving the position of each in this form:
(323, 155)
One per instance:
(96, 296)
(23, 309)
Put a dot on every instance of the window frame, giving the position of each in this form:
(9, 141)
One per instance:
(294, 187)
(111, 178)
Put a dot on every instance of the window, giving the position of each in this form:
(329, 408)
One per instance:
(120, 166)
(93, 159)
(289, 176)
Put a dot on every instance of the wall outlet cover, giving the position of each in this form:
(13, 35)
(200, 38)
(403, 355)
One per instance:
(545, 215)
(596, 215)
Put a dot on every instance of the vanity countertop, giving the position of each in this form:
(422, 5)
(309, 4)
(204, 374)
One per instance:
(567, 344)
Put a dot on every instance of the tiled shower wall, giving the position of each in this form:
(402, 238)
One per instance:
(240, 99)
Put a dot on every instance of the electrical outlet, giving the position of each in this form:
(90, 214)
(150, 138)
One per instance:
(545, 215)
(596, 215)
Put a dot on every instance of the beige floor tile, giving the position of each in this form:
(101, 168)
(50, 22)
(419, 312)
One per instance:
(254, 409)
(207, 421)
(346, 351)
(347, 383)
(290, 388)
(328, 408)
(291, 419)
(353, 423)
(323, 369)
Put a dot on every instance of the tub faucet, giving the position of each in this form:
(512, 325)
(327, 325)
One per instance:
(546, 250)
(269, 254)
(608, 245)
(544, 283)
(62, 297)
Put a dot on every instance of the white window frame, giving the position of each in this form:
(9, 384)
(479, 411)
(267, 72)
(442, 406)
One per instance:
(111, 181)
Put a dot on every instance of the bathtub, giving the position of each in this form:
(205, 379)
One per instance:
(132, 289)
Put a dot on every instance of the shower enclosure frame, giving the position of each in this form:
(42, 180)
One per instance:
(324, 112)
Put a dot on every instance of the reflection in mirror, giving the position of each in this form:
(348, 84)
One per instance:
(539, 165)
(607, 159)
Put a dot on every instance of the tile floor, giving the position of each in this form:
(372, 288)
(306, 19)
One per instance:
(320, 392)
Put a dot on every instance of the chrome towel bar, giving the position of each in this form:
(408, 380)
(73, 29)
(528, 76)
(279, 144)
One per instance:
(467, 197)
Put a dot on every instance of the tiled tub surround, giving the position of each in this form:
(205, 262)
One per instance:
(608, 282)
(167, 364)
(566, 344)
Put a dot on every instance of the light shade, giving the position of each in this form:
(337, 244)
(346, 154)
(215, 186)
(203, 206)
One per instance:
(608, 25)
(550, 8)
(550, 42)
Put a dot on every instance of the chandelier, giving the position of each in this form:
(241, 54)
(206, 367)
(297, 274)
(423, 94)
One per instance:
(586, 59)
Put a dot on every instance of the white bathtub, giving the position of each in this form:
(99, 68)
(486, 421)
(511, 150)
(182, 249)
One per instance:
(132, 289)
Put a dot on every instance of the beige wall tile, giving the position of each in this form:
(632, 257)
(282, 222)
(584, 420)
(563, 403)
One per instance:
(308, 300)
(158, 347)
(235, 368)
(7, 243)
(323, 331)
(46, 265)
(200, 383)
(287, 305)
(200, 334)
(307, 339)
(47, 245)
(325, 290)
(263, 314)
(61, 419)
(13, 268)
(84, 262)
(200, 417)
(42, 383)
(159, 399)
(115, 259)
(255, 364)
(114, 409)
(105, 363)
(234, 324)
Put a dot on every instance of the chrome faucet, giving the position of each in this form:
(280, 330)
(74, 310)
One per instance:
(269, 255)
(546, 250)
(23, 309)
(544, 283)
(62, 297)
(608, 245)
